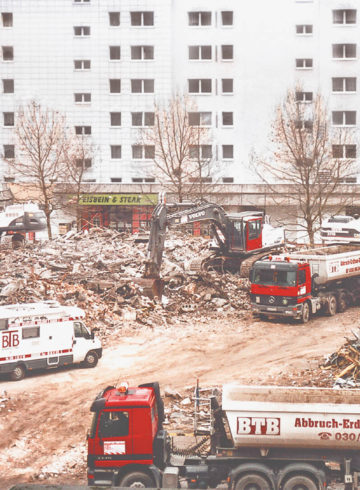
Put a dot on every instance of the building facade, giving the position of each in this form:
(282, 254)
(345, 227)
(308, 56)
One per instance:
(104, 62)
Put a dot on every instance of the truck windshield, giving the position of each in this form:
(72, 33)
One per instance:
(274, 277)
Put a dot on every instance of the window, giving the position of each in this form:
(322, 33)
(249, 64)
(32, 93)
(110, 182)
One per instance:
(82, 64)
(140, 152)
(113, 424)
(200, 151)
(347, 16)
(81, 1)
(142, 18)
(142, 118)
(199, 118)
(142, 179)
(227, 85)
(82, 129)
(139, 86)
(7, 19)
(344, 51)
(9, 151)
(142, 52)
(115, 85)
(303, 29)
(199, 86)
(227, 17)
(115, 118)
(344, 151)
(306, 125)
(82, 30)
(199, 18)
(83, 163)
(304, 63)
(8, 85)
(344, 118)
(115, 52)
(30, 332)
(227, 52)
(82, 98)
(303, 96)
(114, 18)
(9, 118)
(115, 151)
(7, 53)
(116, 179)
(227, 119)
(228, 151)
(228, 180)
(199, 52)
(341, 84)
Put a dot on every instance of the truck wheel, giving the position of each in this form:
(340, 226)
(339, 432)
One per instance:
(138, 479)
(305, 314)
(18, 241)
(252, 482)
(91, 359)
(332, 305)
(342, 303)
(18, 373)
(300, 482)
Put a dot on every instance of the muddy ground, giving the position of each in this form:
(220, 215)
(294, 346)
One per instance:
(44, 418)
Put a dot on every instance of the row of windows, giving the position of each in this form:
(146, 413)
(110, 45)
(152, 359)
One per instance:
(339, 84)
(201, 52)
(143, 152)
(339, 118)
(147, 152)
(144, 18)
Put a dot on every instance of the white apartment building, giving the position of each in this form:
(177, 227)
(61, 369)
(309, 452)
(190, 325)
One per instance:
(104, 62)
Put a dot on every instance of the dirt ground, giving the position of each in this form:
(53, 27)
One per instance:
(44, 418)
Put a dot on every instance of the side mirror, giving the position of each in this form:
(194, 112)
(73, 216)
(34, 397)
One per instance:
(92, 335)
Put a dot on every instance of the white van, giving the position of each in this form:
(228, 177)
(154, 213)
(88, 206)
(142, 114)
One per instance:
(44, 335)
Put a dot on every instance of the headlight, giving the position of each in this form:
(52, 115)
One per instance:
(257, 299)
(285, 301)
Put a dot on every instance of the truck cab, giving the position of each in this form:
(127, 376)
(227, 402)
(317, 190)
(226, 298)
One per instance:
(127, 445)
(280, 287)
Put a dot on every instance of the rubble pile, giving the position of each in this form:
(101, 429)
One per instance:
(96, 270)
(344, 364)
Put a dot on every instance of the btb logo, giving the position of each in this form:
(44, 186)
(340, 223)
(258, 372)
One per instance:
(10, 339)
(266, 426)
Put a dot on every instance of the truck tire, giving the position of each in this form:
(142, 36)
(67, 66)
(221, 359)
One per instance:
(18, 241)
(18, 373)
(305, 314)
(252, 482)
(332, 305)
(342, 303)
(91, 359)
(300, 482)
(137, 479)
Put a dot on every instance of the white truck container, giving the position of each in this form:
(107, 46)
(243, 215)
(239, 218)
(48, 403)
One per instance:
(43, 336)
(287, 417)
(330, 263)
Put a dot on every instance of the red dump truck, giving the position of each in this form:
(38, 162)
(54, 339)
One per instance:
(303, 283)
(260, 438)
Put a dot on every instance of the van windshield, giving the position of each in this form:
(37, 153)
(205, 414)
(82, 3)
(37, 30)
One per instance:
(274, 277)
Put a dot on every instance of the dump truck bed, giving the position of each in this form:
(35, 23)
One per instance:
(331, 263)
(272, 416)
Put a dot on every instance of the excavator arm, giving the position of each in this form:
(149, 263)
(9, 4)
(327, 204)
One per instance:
(161, 219)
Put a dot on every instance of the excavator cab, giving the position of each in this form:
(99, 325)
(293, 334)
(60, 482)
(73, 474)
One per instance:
(245, 233)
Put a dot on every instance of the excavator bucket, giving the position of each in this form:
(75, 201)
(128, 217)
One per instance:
(151, 287)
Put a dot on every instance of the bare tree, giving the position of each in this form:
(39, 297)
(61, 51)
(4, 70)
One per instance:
(40, 136)
(311, 156)
(180, 146)
(78, 157)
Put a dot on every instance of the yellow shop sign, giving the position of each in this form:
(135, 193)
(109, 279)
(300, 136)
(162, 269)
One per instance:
(118, 199)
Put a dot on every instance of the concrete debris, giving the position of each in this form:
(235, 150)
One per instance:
(344, 364)
(98, 271)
